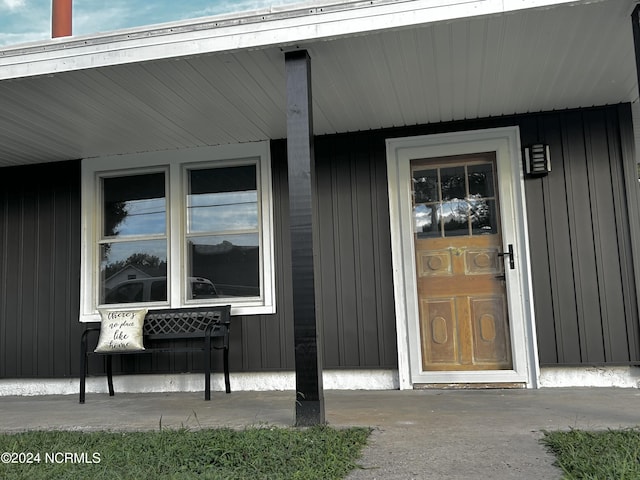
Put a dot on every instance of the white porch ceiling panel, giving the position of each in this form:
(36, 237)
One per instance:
(526, 61)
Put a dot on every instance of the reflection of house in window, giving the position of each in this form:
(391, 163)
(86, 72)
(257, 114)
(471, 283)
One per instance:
(121, 287)
(234, 269)
(129, 272)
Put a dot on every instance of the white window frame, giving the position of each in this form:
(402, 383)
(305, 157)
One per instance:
(177, 163)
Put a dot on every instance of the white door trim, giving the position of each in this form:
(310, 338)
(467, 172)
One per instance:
(506, 143)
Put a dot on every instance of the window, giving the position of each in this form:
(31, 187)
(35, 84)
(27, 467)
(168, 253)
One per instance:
(172, 229)
(454, 199)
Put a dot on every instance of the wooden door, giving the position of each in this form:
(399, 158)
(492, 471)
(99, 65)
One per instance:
(464, 322)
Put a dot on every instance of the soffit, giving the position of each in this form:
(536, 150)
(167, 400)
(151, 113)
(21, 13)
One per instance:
(543, 59)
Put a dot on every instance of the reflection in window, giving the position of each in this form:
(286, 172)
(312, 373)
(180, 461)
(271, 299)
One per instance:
(454, 200)
(452, 183)
(162, 229)
(127, 266)
(134, 205)
(133, 248)
(222, 229)
(230, 262)
(223, 211)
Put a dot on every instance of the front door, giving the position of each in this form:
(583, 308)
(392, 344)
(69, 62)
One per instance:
(462, 304)
(462, 286)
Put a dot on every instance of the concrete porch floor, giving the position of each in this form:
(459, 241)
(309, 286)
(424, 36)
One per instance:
(425, 434)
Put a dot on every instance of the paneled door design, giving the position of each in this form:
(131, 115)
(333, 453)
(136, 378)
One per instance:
(461, 270)
(459, 264)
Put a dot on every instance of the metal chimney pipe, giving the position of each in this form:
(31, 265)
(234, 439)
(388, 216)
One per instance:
(61, 18)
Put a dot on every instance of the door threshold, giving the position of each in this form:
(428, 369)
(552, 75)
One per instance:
(469, 386)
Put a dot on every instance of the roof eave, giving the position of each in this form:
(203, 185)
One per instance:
(259, 29)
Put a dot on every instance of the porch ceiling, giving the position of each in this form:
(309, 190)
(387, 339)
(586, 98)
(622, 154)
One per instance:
(572, 55)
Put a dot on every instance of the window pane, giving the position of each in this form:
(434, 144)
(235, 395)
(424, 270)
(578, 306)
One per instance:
(455, 217)
(199, 287)
(230, 262)
(483, 216)
(134, 205)
(133, 271)
(222, 199)
(216, 212)
(425, 221)
(425, 185)
(481, 180)
(453, 183)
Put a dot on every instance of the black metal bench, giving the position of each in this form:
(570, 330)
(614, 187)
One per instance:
(208, 324)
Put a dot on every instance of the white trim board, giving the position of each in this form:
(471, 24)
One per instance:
(552, 377)
(621, 377)
(192, 382)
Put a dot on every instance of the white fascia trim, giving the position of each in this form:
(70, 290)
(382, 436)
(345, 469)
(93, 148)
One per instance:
(283, 27)
(192, 382)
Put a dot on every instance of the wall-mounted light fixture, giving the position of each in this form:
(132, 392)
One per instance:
(537, 160)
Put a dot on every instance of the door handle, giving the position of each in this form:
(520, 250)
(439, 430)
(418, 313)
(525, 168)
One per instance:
(509, 253)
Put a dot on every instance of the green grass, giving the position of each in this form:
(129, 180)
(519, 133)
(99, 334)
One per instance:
(255, 453)
(591, 455)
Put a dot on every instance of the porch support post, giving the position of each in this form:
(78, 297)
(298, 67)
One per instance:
(300, 159)
(635, 23)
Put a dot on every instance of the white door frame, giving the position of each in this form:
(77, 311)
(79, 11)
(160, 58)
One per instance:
(506, 143)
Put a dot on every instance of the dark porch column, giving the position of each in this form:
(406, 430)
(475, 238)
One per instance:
(635, 22)
(309, 393)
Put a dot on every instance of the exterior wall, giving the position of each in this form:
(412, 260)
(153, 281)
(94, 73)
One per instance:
(583, 249)
(353, 265)
(39, 270)
(581, 243)
(355, 282)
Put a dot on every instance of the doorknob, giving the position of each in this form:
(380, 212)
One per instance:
(509, 253)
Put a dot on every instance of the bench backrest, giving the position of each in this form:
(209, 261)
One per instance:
(186, 322)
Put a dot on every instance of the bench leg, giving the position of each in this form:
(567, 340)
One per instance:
(110, 375)
(83, 374)
(207, 382)
(207, 368)
(225, 357)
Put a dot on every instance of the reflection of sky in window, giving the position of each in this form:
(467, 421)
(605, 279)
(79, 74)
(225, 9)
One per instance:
(121, 251)
(454, 210)
(223, 211)
(144, 217)
(422, 217)
(247, 240)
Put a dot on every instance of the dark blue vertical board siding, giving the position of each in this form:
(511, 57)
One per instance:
(584, 233)
(39, 270)
(542, 247)
(356, 288)
(581, 228)
(628, 200)
(584, 283)
(605, 218)
(584, 246)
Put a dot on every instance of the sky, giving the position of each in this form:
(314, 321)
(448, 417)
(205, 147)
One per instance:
(23, 21)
